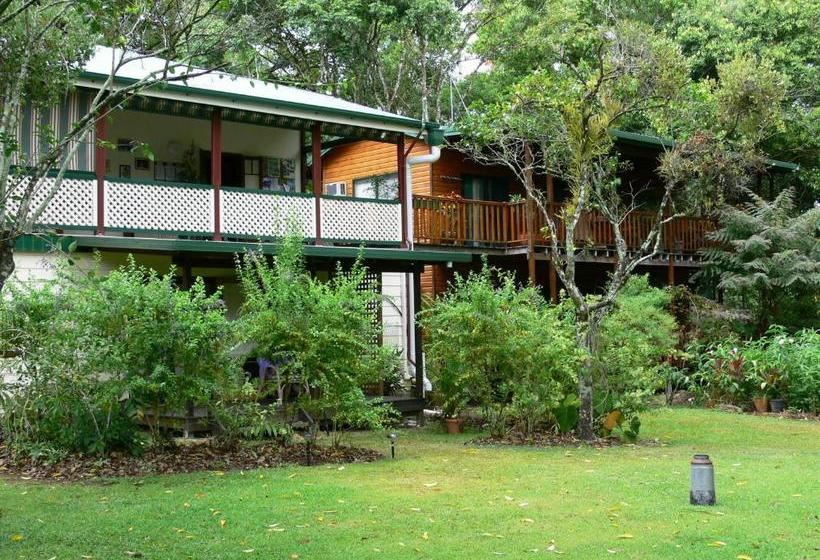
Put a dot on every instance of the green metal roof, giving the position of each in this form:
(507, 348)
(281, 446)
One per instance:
(651, 142)
(223, 88)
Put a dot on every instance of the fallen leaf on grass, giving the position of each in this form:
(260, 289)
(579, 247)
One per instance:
(743, 557)
(528, 520)
(425, 536)
(222, 522)
(132, 554)
(248, 550)
(625, 536)
(717, 544)
(16, 538)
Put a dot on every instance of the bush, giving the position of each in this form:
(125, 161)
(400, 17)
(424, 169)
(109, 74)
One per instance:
(502, 347)
(321, 335)
(636, 338)
(777, 364)
(96, 352)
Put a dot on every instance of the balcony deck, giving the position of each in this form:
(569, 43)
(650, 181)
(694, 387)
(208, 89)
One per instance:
(479, 225)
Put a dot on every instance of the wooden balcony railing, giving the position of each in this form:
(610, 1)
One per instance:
(458, 221)
(477, 223)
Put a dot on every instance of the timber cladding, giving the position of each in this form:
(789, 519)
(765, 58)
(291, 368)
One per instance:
(366, 158)
(453, 165)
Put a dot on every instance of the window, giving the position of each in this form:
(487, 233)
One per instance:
(252, 173)
(381, 187)
(336, 189)
(477, 187)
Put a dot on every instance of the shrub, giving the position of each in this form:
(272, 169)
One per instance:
(502, 347)
(777, 364)
(95, 352)
(636, 337)
(321, 334)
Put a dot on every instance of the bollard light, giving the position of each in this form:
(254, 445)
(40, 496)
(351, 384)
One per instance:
(393, 437)
(702, 482)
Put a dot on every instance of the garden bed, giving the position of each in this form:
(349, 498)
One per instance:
(181, 459)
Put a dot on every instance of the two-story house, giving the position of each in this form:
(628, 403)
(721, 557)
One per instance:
(235, 163)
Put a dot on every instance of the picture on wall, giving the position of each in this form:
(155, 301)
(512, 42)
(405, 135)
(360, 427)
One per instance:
(280, 174)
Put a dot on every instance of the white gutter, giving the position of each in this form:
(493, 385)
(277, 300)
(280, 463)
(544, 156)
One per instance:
(432, 157)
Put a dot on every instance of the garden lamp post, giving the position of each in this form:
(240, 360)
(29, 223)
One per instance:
(702, 481)
(393, 437)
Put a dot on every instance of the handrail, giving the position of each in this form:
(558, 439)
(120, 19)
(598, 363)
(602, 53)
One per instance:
(459, 221)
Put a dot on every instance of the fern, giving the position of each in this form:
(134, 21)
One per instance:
(765, 257)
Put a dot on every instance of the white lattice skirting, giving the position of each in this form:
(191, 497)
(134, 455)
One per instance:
(266, 215)
(360, 220)
(73, 205)
(164, 208)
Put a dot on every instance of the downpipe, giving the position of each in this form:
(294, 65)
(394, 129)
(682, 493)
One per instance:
(432, 157)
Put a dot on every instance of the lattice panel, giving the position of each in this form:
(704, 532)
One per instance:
(73, 205)
(157, 207)
(266, 215)
(360, 220)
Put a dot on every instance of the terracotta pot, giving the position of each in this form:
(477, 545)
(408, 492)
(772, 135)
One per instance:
(612, 420)
(454, 425)
(778, 405)
(761, 404)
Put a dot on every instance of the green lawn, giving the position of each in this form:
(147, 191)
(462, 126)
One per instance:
(441, 499)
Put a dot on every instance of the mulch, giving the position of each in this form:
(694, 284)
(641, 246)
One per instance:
(180, 459)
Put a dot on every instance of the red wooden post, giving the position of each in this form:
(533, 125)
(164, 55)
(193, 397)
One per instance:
(316, 145)
(401, 158)
(100, 135)
(216, 168)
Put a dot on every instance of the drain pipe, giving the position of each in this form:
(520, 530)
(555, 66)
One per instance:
(432, 157)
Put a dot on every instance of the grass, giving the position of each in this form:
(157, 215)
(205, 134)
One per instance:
(442, 499)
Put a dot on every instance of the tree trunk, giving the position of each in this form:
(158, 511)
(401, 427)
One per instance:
(590, 323)
(6, 260)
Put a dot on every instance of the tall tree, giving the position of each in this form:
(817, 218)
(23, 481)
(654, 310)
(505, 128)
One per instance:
(393, 54)
(45, 44)
(551, 110)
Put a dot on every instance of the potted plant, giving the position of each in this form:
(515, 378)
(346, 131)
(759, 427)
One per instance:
(453, 406)
(777, 402)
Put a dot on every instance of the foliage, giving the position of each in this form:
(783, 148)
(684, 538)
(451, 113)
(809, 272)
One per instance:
(766, 258)
(320, 334)
(94, 353)
(636, 338)
(397, 56)
(241, 416)
(502, 347)
(778, 364)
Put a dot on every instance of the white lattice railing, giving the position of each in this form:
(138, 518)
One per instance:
(260, 214)
(355, 219)
(72, 206)
(172, 208)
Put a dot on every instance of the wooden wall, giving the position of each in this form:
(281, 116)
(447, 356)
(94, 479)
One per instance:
(367, 158)
(448, 170)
